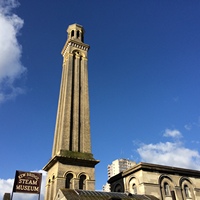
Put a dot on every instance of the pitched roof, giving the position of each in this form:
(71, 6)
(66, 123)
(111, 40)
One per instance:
(72, 194)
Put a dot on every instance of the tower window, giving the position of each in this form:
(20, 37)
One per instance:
(68, 183)
(78, 34)
(72, 33)
(82, 181)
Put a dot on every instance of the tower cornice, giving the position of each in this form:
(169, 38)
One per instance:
(76, 44)
(80, 160)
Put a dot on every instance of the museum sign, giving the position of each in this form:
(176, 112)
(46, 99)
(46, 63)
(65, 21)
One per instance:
(27, 182)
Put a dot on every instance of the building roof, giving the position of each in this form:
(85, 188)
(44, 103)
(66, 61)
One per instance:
(72, 194)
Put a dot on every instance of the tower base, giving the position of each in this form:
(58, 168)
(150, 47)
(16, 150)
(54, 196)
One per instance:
(73, 170)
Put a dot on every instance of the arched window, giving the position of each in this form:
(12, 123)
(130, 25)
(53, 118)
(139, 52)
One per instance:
(132, 185)
(118, 188)
(72, 33)
(78, 34)
(167, 189)
(82, 182)
(187, 188)
(68, 182)
(52, 185)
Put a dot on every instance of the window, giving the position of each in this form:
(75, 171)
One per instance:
(68, 183)
(132, 185)
(78, 34)
(72, 33)
(187, 188)
(118, 188)
(82, 181)
(134, 189)
(166, 189)
(187, 191)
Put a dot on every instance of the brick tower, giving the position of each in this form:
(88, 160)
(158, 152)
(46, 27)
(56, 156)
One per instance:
(72, 164)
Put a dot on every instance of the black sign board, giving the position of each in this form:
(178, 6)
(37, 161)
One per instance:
(27, 182)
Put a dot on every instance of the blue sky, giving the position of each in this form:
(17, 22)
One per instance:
(144, 77)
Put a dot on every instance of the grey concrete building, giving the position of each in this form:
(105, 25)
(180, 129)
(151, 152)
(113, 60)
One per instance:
(116, 167)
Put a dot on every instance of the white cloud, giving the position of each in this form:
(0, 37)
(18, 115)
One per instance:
(11, 68)
(188, 127)
(172, 133)
(170, 153)
(6, 186)
(192, 125)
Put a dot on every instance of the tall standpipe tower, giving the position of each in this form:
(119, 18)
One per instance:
(72, 164)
